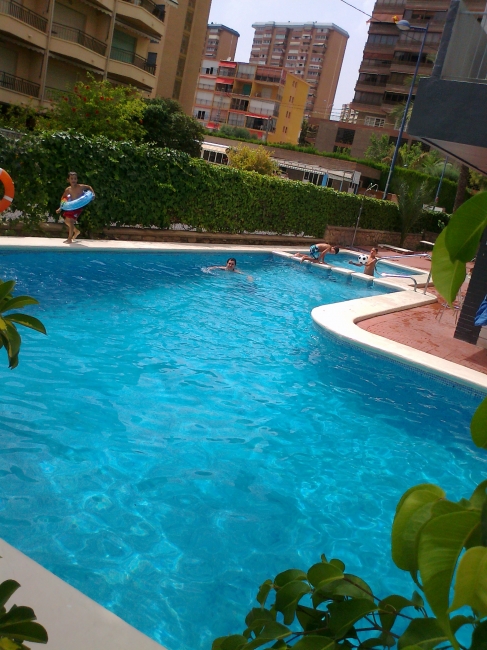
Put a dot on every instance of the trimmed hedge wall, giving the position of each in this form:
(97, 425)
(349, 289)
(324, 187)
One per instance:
(147, 186)
(144, 185)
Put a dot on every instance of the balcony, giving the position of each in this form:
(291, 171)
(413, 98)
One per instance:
(73, 35)
(143, 15)
(23, 23)
(125, 56)
(18, 85)
(26, 16)
(128, 67)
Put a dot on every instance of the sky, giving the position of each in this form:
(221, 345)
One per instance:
(240, 15)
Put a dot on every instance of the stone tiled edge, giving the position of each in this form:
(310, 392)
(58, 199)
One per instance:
(72, 620)
(340, 320)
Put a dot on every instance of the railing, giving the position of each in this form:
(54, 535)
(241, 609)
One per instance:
(16, 10)
(151, 7)
(19, 85)
(206, 86)
(203, 102)
(74, 35)
(125, 56)
(371, 83)
(412, 64)
(466, 58)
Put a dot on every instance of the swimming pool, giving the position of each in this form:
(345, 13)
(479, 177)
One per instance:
(179, 436)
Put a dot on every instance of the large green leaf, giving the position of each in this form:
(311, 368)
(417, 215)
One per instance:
(478, 425)
(7, 589)
(426, 633)
(479, 495)
(16, 615)
(6, 288)
(353, 587)
(27, 321)
(448, 276)
(321, 573)
(288, 597)
(264, 591)
(310, 618)
(465, 228)
(271, 632)
(288, 576)
(471, 581)
(479, 637)
(413, 513)
(18, 303)
(345, 614)
(14, 339)
(314, 642)
(440, 544)
(232, 642)
(25, 632)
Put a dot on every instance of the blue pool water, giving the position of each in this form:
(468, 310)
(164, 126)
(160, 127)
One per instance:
(181, 436)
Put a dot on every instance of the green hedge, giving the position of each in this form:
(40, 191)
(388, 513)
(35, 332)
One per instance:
(147, 186)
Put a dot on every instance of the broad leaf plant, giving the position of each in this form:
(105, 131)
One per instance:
(441, 543)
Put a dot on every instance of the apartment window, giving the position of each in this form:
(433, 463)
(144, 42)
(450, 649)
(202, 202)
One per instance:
(409, 57)
(209, 70)
(315, 58)
(201, 115)
(383, 39)
(399, 78)
(152, 58)
(313, 73)
(292, 57)
(257, 41)
(215, 157)
(367, 98)
(239, 104)
(236, 119)
(372, 79)
(375, 62)
(266, 42)
(345, 136)
(431, 38)
(395, 98)
(313, 177)
(370, 120)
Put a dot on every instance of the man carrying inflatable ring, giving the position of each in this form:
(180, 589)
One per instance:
(74, 199)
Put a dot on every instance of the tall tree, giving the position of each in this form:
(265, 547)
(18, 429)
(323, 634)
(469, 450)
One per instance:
(166, 125)
(461, 187)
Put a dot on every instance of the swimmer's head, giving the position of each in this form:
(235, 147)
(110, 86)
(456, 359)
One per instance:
(231, 263)
(72, 177)
(336, 249)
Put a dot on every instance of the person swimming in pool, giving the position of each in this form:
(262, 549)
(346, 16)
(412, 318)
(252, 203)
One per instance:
(230, 266)
(369, 265)
(317, 253)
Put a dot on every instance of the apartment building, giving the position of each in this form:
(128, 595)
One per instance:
(388, 63)
(179, 53)
(312, 51)
(221, 43)
(48, 46)
(268, 101)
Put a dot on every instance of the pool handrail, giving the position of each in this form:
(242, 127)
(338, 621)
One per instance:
(398, 275)
(424, 255)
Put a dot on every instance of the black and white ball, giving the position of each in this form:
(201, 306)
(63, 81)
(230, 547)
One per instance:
(361, 259)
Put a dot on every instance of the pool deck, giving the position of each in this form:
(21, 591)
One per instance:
(401, 326)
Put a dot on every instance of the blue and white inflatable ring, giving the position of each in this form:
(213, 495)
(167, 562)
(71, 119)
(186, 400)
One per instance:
(81, 202)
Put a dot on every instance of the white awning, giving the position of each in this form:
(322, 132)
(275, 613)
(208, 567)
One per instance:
(96, 6)
(211, 146)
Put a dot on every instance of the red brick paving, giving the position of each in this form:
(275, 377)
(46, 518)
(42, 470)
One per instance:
(421, 329)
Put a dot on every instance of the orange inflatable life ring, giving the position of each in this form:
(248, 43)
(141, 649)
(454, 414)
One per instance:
(8, 184)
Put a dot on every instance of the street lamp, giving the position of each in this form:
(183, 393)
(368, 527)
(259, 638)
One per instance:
(404, 26)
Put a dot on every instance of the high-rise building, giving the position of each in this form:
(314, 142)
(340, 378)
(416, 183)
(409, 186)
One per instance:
(312, 51)
(48, 46)
(179, 53)
(385, 74)
(221, 43)
(269, 102)
(390, 55)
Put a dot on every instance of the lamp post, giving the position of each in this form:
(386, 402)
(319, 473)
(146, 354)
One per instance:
(371, 187)
(404, 26)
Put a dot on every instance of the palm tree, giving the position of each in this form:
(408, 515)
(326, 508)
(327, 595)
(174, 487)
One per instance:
(412, 195)
(9, 337)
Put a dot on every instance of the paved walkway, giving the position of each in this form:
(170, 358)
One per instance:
(421, 329)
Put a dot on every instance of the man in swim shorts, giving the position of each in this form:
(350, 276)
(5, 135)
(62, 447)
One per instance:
(74, 191)
(317, 253)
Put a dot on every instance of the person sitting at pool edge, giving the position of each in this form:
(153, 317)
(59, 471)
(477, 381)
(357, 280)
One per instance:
(317, 253)
(369, 266)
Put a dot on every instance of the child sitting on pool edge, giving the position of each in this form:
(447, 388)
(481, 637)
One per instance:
(71, 193)
(317, 253)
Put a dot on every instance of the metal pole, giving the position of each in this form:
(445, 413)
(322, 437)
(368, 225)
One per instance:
(371, 186)
(441, 181)
(406, 110)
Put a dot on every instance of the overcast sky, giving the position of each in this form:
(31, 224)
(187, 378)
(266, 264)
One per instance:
(240, 15)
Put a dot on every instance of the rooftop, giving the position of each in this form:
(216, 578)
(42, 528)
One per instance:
(227, 29)
(303, 25)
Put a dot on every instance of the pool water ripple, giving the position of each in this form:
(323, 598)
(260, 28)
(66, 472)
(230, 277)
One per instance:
(181, 436)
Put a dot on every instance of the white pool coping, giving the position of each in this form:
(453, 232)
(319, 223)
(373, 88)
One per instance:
(72, 620)
(75, 621)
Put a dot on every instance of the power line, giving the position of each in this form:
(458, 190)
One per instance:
(356, 8)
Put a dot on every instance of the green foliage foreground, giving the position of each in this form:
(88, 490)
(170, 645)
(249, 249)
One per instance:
(148, 186)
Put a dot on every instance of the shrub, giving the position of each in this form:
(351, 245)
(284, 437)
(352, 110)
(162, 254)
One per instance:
(166, 125)
(257, 160)
(147, 186)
